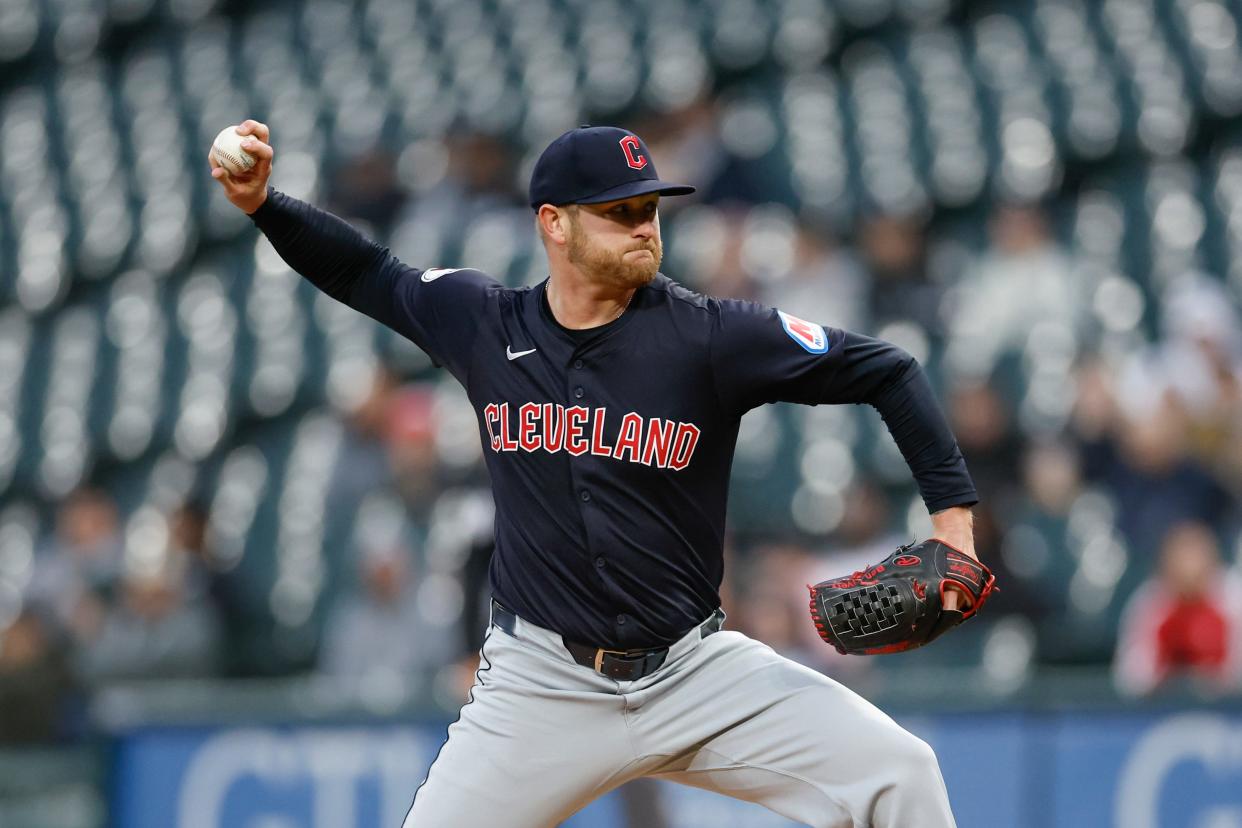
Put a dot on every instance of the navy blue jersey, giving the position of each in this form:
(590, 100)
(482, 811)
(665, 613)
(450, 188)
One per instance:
(609, 450)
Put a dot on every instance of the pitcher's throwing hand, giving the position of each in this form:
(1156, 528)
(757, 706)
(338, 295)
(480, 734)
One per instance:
(247, 190)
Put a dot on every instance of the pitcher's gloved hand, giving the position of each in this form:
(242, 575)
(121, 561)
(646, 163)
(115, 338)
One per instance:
(897, 604)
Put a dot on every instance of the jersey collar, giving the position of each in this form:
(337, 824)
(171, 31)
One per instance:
(584, 336)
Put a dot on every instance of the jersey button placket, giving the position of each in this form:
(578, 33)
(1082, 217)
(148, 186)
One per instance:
(577, 394)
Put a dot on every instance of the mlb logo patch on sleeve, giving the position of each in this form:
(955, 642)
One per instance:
(807, 334)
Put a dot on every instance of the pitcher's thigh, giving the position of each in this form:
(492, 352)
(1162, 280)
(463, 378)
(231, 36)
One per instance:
(522, 757)
(782, 735)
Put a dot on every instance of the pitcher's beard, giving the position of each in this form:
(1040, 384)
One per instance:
(612, 268)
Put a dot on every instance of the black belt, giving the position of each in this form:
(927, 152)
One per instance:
(621, 665)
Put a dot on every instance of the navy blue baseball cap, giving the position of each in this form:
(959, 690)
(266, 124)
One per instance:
(593, 164)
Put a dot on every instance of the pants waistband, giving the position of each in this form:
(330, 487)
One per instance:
(621, 665)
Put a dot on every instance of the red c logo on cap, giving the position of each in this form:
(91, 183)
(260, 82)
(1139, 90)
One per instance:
(629, 145)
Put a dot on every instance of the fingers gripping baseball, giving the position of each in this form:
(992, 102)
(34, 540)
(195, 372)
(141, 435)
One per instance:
(245, 188)
(255, 129)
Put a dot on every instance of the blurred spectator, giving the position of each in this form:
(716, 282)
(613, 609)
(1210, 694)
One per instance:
(411, 440)
(363, 464)
(377, 634)
(1185, 621)
(378, 641)
(34, 680)
(983, 424)
(363, 468)
(156, 629)
(472, 173)
(865, 533)
(81, 563)
(1145, 465)
(826, 284)
(1095, 409)
(894, 253)
(726, 275)
(366, 188)
(1035, 549)
(358, 637)
(480, 170)
(1024, 280)
(748, 170)
(205, 583)
(187, 541)
(1039, 556)
(771, 614)
(1202, 359)
(687, 142)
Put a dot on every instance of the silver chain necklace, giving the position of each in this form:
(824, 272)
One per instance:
(547, 294)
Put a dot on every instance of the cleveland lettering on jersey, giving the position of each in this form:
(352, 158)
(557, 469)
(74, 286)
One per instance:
(553, 428)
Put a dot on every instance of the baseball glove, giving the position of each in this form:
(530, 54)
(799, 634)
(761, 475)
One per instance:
(897, 604)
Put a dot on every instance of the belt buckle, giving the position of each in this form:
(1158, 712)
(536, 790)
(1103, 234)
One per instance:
(599, 657)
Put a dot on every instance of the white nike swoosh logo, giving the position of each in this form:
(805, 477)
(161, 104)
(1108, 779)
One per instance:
(436, 272)
(509, 352)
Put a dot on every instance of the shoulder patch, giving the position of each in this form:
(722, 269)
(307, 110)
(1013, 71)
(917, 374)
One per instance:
(807, 334)
(431, 274)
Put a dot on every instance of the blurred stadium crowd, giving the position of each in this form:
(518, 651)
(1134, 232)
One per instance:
(208, 470)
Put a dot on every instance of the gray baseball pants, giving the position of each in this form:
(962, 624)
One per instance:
(542, 736)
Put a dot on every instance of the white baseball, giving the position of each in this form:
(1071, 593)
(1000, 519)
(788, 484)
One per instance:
(228, 151)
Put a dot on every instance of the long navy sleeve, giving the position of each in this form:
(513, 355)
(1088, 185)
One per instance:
(757, 363)
(336, 258)
(323, 248)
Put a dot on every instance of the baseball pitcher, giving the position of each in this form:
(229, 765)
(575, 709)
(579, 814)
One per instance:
(608, 400)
